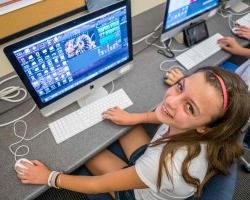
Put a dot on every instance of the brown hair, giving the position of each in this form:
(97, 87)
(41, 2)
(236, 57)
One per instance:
(222, 138)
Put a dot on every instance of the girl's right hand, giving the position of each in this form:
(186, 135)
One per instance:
(120, 117)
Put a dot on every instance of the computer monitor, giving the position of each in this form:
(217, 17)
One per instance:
(181, 13)
(61, 65)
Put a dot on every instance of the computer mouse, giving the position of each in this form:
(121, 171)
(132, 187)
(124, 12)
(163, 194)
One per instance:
(19, 163)
(234, 30)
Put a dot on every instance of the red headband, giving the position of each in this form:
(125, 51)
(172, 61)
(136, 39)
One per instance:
(224, 91)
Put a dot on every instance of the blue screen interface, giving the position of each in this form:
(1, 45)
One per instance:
(60, 62)
(182, 10)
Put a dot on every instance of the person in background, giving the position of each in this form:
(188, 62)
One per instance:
(232, 46)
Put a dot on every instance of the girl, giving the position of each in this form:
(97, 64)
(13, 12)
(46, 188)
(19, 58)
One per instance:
(201, 117)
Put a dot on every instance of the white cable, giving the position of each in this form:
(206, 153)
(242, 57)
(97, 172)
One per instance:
(142, 39)
(10, 93)
(113, 87)
(148, 35)
(220, 12)
(155, 45)
(236, 14)
(22, 138)
(13, 121)
(229, 22)
(166, 61)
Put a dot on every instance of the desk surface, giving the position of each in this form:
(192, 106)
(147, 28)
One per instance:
(143, 83)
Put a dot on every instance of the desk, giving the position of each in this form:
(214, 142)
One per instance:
(143, 83)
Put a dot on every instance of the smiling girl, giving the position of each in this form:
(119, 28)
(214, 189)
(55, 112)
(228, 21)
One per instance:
(201, 117)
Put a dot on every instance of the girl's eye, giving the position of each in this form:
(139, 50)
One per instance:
(190, 108)
(179, 86)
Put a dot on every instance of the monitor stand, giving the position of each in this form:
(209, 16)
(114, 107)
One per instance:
(179, 37)
(239, 7)
(97, 94)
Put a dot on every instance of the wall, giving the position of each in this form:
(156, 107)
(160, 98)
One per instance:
(138, 7)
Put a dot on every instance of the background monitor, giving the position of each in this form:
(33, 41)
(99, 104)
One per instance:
(61, 65)
(182, 13)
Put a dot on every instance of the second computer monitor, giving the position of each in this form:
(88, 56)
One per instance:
(182, 13)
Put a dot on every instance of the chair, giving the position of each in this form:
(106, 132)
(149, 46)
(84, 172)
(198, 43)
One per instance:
(220, 187)
(246, 138)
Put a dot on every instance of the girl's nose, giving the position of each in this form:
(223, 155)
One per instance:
(174, 101)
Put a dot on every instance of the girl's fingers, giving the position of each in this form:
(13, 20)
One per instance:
(169, 82)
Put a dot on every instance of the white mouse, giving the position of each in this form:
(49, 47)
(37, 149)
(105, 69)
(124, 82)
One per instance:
(234, 30)
(19, 163)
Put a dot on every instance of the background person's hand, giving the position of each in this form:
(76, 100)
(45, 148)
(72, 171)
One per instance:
(37, 173)
(231, 45)
(120, 117)
(243, 31)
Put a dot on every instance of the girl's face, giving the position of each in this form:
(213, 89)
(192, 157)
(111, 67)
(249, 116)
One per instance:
(190, 104)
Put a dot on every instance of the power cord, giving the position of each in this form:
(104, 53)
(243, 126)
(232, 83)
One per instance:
(148, 35)
(19, 118)
(113, 87)
(22, 138)
(167, 52)
(10, 94)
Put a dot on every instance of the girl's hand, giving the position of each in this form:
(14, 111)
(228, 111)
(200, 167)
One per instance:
(120, 117)
(243, 31)
(37, 173)
(231, 45)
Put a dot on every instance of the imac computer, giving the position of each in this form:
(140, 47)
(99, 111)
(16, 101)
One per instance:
(63, 64)
(181, 13)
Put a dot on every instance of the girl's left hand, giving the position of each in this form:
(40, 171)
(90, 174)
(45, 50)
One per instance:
(120, 117)
(37, 173)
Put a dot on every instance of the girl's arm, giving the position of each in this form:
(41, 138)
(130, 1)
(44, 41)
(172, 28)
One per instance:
(121, 117)
(122, 179)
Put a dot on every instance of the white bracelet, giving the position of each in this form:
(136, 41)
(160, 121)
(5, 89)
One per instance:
(53, 179)
(50, 177)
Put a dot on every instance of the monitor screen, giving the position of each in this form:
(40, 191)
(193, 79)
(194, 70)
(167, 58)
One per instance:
(57, 62)
(178, 12)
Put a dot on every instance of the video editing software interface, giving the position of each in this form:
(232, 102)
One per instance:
(181, 10)
(65, 60)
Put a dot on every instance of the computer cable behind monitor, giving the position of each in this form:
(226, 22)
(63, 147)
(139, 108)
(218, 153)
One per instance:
(13, 94)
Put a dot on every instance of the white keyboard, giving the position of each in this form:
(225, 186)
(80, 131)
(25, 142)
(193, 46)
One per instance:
(87, 116)
(199, 52)
(244, 21)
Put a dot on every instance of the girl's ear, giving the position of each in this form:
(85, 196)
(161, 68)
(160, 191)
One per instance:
(202, 130)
